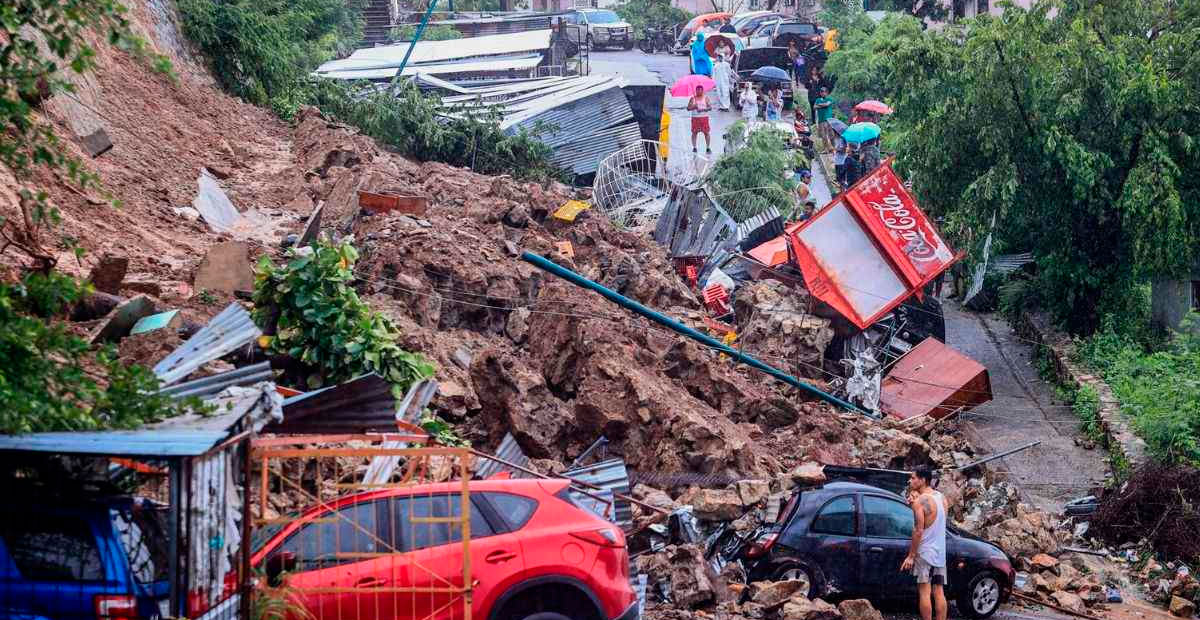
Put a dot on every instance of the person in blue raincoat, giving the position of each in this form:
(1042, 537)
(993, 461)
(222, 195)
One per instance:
(701, 63)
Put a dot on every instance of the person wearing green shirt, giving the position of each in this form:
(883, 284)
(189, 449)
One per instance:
(824, 109)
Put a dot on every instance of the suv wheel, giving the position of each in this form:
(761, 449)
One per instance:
(791, 569)
(981, 598)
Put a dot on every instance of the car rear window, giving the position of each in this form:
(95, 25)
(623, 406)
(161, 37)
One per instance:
(797, 29)
(515, 509)
(53, 548)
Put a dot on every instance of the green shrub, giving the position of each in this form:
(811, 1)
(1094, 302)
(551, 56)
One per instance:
(314, 317)
(432, 33)
(657, 13)
(1157, 388)
(751, 179)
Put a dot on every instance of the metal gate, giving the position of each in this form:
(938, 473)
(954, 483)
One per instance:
(329, 546)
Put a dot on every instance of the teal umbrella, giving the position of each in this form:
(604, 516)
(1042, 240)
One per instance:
(861, 132)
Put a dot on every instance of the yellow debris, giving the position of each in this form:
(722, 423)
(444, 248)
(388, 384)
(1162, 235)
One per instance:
(570, 209)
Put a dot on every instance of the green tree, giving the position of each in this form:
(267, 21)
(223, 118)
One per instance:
(863, 61)
(261, 50)
(750, 177)
(432, 33)
(657, 13)
(1077, 131)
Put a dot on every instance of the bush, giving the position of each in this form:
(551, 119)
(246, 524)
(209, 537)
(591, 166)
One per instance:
(311, 315)
(432, 33)
(1157, 389)
(260, 50)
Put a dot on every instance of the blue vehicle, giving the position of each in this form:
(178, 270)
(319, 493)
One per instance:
(92, 559)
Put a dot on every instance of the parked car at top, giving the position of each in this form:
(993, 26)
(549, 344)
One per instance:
(534, 554)
(599, 28)
(91, 558)
(748, 22)
(850, 539)
(749, 60)
(684, 40)
(807, 35)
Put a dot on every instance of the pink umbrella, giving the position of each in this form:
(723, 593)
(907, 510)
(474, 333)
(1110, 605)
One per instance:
(871, 105)
(686, 85)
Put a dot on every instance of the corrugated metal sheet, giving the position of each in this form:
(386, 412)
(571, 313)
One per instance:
(1008, 263)
(209, 386)
(513, 67)
(360, 405)
(508, 451)
(484, 26)
(692, 224)
(584, 156)
(436, 52)
(160, 443)
(415, 400)
(227, 331)
(611, 476)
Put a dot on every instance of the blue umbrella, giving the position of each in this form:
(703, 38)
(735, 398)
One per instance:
(861, 132)
(770, 74)
(837, 125)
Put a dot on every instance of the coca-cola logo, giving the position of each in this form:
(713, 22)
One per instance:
(896, 216)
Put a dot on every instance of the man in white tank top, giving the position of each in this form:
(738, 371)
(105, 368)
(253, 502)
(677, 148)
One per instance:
(927, 554)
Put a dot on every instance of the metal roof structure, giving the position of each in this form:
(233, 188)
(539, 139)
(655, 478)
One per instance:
(360, 405)
(693, 224)
(227, 331)
(492, 67)
(437, 52)
(159, 443)
(613, 478)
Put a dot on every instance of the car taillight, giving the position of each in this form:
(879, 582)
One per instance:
(604, 537)
(115, 607)
(760, 547)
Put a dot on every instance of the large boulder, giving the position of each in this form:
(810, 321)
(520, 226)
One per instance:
(1182, 607)
(775, 323)
(713, 504)
(859, 609)
(800, 608)
(1069, 600)
(772, 593)
(691, 585)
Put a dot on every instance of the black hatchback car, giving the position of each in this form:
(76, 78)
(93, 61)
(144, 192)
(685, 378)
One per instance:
(849, 539)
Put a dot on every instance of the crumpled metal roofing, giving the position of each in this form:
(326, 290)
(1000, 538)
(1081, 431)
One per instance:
(611, 476)
(508, 451)
(227, 331)
(435, 52)
(212, 385)
(693, 224)
(360, 405)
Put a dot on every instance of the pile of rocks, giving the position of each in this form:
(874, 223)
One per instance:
(688, 590)
(1172, 586)
(1063, 584)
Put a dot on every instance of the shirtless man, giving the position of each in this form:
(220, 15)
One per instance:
(927, 553)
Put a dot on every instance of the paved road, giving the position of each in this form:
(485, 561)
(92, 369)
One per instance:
(1025, 409)
(670, 68)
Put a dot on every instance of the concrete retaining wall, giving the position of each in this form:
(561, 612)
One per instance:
(1118, 435)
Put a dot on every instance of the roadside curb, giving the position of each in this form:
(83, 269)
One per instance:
(1119, 438)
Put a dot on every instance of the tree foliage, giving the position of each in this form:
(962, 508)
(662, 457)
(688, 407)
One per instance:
(862, 63)
(752, 176)
(52, 380)
(656, 13)
(1077, 131)
(312, 315)
(261, 49)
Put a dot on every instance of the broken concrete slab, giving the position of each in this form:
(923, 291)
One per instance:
(121, 319)
(212, 203)
(109, 273)
(225, 268)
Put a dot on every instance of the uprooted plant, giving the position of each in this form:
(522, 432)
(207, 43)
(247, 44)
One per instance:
(314, 319)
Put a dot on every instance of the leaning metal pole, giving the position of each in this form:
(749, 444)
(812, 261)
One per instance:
(680, 328)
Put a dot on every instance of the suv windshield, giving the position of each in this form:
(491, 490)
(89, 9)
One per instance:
(602, 17)
(797, 29)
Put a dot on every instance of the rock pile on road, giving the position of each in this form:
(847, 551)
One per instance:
(1062, 584)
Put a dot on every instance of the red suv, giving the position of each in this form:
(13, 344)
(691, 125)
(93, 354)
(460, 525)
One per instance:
(535, 555)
